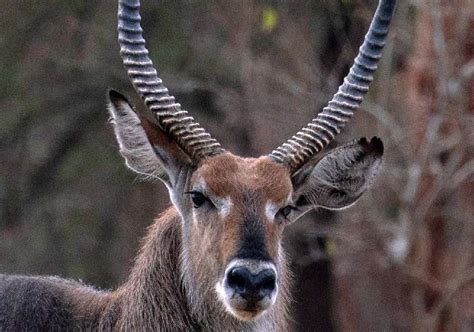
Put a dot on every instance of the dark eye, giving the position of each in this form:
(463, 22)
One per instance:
(285, 212)
(198, 198)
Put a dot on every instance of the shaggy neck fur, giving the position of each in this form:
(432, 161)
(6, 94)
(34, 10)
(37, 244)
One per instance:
(159, 295)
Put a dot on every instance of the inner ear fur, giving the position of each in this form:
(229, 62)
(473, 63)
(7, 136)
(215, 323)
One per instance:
(168, 151)
(340, 178)
(147, 149)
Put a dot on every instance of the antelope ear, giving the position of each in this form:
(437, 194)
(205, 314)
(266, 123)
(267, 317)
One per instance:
(146, 148)
(340, 178)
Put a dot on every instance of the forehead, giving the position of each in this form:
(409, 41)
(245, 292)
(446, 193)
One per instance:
(229, 175)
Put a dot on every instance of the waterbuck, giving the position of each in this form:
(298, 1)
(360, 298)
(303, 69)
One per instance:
(212, 261)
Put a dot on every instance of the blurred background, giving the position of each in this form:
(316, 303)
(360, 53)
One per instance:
(253, 72)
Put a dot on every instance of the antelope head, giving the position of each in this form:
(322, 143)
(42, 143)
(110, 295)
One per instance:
(235, 209)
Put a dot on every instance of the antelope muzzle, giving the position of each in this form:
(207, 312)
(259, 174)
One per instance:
(249, 288)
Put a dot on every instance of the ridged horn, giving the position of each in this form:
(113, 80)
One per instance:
(189, 135)
(329, 122)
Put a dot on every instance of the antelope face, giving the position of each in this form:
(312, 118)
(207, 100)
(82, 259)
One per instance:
(240, 208)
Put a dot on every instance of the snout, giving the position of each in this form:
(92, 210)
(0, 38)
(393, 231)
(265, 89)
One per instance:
(252, 287)
(248, 288)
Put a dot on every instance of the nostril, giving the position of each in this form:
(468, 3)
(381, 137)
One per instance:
(238, 278)
(253, 287)
(266, 282)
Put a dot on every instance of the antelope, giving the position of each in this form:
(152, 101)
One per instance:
(214, 259)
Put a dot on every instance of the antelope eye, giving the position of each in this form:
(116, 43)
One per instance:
(285, 212)
(198, 198)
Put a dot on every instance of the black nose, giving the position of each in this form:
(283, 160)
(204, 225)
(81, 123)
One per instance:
(252, 287)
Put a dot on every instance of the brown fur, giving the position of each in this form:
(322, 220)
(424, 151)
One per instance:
(235, 177)
(228, 174)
